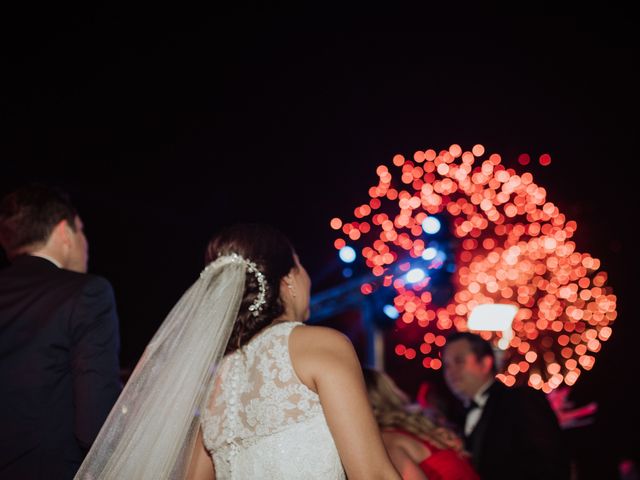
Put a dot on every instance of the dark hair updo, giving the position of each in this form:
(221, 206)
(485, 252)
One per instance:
(273, 254)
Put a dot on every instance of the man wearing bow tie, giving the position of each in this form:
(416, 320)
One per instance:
(511, 433)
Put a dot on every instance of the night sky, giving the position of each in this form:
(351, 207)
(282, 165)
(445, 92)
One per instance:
(165, 125)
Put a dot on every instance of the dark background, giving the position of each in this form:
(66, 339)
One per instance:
(165, 124)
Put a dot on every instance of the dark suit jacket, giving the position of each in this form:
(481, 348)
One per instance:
(59, 369)
(518, 437)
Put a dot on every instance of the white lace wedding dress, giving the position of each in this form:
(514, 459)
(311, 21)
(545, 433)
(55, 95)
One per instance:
(262, 422)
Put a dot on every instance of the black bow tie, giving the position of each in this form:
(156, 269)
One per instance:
(470, 406)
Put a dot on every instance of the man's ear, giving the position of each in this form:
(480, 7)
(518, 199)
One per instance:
(487, 363)
(61, 233)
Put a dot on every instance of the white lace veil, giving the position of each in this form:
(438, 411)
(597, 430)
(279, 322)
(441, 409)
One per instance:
(151, 430)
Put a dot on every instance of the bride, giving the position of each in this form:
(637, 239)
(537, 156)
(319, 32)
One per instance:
(234, 385)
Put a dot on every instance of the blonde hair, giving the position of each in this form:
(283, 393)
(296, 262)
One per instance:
(391, 407)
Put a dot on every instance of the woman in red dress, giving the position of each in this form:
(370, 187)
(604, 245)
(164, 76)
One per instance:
(418, 447)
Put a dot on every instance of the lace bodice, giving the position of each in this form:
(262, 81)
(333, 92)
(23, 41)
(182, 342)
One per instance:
(261, 421)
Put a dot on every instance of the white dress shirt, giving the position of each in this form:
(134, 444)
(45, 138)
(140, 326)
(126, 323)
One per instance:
(474, 414)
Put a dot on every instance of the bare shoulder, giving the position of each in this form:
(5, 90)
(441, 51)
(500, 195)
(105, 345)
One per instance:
(415, 449)
(319, 338)
(396, 439)
(317, 351)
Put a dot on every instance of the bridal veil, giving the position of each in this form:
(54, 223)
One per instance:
(151, 430)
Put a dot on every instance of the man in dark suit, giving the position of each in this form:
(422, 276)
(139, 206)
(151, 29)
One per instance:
(511, 433)
(59, 340)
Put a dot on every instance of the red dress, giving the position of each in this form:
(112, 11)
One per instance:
(443, 463)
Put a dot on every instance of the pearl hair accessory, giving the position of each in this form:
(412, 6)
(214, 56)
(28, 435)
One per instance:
(256, 307)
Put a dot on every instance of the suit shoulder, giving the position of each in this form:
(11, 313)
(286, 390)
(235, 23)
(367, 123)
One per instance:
(84, 278)
(527, 392)
(529, 396)
(97, 281)
(86, 283)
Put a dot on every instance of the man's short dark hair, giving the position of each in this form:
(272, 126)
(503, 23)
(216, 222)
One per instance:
(29, 214)
(479, 346)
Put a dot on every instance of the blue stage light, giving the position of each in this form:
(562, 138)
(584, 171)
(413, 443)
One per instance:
(439, 259)
(390, 311)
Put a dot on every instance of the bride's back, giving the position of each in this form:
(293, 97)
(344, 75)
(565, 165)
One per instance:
(262, 421)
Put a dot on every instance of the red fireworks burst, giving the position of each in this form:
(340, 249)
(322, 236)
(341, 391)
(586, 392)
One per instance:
(515, 248)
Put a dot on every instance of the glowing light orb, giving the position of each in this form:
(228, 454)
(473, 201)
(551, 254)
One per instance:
(415, 275)
(429, 253)
(431, 225)
(514, 247)
(390, 311)
(347, 254)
